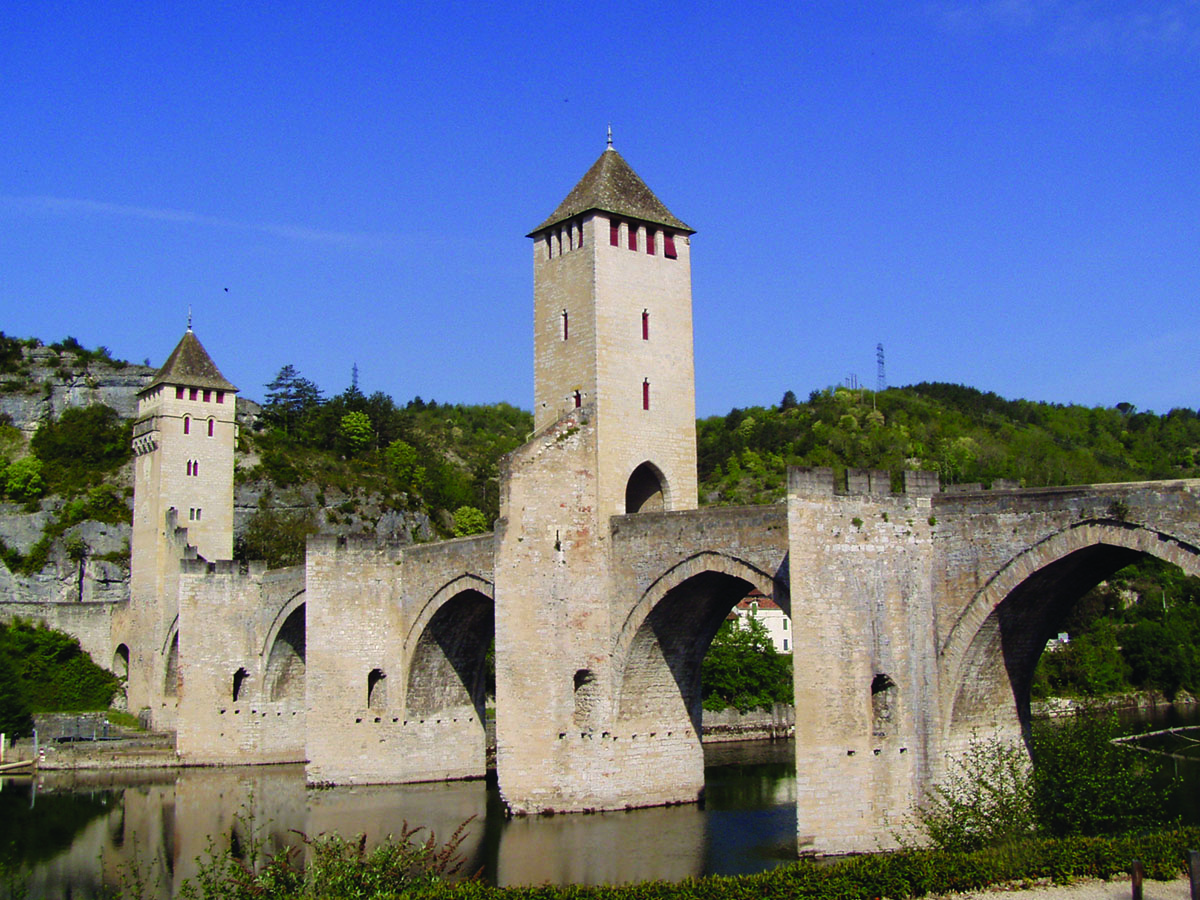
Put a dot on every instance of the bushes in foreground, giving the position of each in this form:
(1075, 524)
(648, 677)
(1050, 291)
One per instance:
(349, 872)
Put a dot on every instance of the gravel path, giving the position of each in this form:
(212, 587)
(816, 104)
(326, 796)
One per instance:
(1117, 889)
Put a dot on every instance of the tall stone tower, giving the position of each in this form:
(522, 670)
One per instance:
(183, 442)
(613, 332)
(615, 433)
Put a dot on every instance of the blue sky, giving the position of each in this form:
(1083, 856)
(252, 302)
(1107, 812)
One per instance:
(1005, 193)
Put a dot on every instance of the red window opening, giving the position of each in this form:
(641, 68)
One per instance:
(614, 232)
(669, 245)
(650, 241)
(178, 393)
(632, 236)
(645, 325)
(646, 394)
(578, 399)
(210, 427)
(220, 396)
(193, 393)
(187, 425)
(189, 467)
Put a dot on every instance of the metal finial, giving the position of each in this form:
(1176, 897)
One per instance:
(189, 317)
(610, 135)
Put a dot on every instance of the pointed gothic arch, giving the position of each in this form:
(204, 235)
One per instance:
(988, 658)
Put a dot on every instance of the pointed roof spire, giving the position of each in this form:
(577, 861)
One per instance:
(609, 147)
(189, 364)
(610, 185)
(189, 317)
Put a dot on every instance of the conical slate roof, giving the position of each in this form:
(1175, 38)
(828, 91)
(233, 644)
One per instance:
(610, 185)
(189, 364)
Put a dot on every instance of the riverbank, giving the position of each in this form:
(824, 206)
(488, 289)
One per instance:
(1052, 707)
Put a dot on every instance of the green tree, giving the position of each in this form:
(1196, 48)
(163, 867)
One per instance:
(743, 669)
(469, 520)
(355, 432)
(403, 462)
(289, 398)
(84, 444)
(276, 536)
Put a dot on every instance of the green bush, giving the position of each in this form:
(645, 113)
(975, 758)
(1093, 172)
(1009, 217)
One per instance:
(83, 445)
(47, 671)
(23, 479)
(1079, 784)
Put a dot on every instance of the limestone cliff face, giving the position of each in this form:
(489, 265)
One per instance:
(46, 382)
(87, 563)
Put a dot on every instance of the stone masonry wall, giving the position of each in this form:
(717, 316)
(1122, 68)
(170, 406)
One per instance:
(227, 619)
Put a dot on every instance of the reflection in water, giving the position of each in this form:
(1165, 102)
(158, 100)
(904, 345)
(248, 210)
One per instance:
(161, 823)
(77, 833)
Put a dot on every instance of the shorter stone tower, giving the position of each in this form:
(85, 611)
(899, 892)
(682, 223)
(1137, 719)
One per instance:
(183, 442)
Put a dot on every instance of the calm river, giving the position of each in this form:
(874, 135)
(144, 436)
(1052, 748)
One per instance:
(75, 832)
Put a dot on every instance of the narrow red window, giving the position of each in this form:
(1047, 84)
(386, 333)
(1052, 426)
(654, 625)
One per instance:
(650, 241)
(614, 232)
(646, 394)
(210, 427)
(566, 325)
(178, 393)
(632, 236)
(220, 396)
(645, 325)
(187, 425)
(669, 245)
(193, 393)
(208, 396)
(578, 399)
(189, 467)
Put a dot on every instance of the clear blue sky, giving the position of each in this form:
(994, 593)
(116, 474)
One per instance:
(1006, 194)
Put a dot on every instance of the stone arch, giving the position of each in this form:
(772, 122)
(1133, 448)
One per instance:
(170, 654)
(667, 633)
(285, 652)
(647, 490)
(987, 661)
(120, 662)
(446, 650)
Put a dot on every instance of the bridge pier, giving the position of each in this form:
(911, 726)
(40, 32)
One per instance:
(864, 660)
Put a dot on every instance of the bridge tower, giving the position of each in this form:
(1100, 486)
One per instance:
(183, 441)
(613, 333)
(615, 434)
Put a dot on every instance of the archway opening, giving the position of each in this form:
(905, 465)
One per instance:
(645, 490)
(996, 676)
(286, 662)
(376, 689)
(448, 669)
(171, 677)
(241, 679)
(120, 663)
(662, 671)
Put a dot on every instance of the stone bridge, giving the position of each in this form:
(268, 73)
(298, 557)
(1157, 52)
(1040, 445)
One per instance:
(917, 620)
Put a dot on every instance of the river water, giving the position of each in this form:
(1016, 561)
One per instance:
(73, 834)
